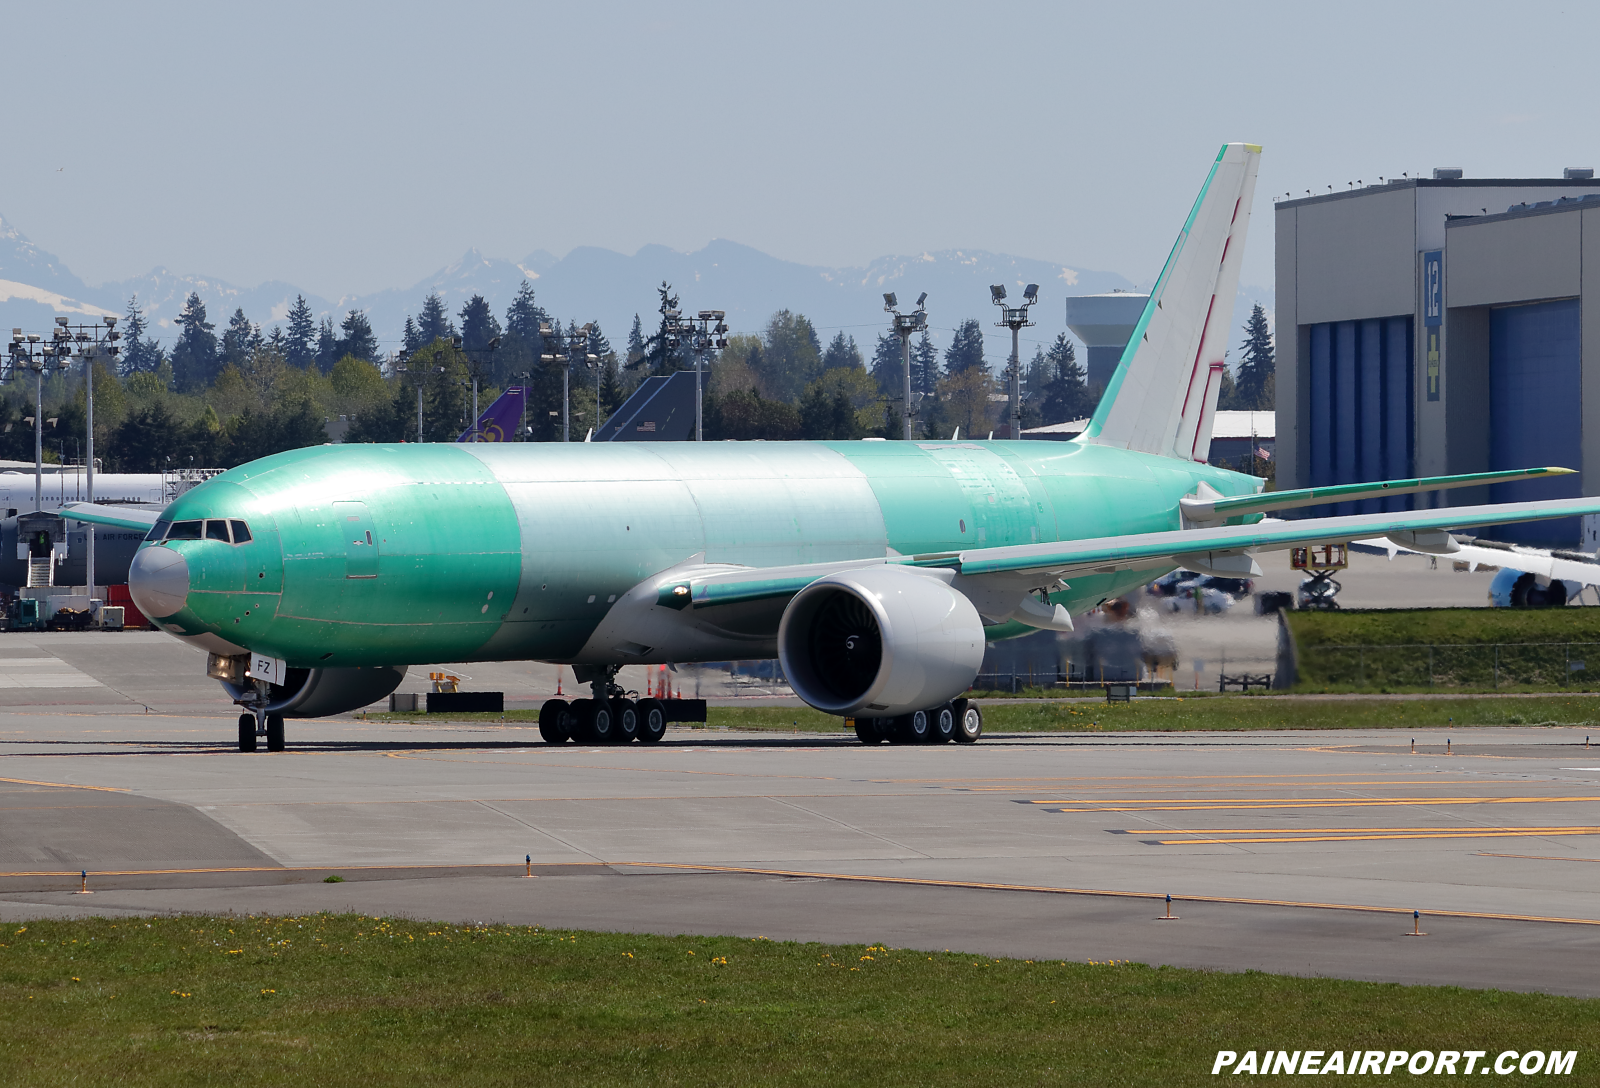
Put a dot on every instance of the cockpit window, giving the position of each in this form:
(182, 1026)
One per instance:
(185, 530)
(241, 532)
(217, 529)
(159, 530)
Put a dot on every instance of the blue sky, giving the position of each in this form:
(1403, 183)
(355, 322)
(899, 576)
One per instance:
(353, 147)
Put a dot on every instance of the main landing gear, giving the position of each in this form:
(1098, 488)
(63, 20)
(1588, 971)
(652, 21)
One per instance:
(958, 721)
(612, 717)
(256, 723)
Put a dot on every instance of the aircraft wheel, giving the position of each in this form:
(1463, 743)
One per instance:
(555, 721)
(969, 723)
(868, 731)
(600, 722)
(944, 724)
(652, 721)
(247, 732)
(274, 732)
(578, 716)
(626, 714)
(914, 728)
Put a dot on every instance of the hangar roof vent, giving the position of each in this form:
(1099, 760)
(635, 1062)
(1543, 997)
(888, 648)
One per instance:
(1578, 173)
(1447, 173)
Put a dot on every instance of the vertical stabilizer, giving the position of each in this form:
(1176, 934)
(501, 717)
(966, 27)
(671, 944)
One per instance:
(1163, 396)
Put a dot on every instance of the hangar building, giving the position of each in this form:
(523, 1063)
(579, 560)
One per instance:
(1436, 326)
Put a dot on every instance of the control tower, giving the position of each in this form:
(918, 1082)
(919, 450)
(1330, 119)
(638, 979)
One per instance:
(1104, 323)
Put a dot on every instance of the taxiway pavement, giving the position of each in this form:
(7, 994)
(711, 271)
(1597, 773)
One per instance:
(1285, 851)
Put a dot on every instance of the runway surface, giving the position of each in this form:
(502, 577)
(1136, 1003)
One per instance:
(1292, 852)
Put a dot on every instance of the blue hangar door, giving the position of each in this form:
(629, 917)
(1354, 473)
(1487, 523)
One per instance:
(1535, 410)
(1361, 376)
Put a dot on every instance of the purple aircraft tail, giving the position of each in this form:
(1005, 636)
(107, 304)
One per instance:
(499, 421)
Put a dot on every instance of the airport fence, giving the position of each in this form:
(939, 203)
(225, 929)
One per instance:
(1451, 665)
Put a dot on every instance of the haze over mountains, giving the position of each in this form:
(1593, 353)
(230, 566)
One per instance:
(596, 284)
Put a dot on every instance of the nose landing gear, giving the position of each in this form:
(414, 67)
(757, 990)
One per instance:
(256, 723)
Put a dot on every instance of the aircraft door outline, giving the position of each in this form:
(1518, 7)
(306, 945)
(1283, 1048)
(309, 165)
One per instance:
(360, 539)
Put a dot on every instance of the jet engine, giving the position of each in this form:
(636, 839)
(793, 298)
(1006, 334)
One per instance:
(316, 693)
(881, 641)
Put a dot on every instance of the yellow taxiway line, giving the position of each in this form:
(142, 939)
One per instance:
(1147, 805)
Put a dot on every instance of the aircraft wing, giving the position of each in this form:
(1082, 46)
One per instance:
(1222, 549)
(1197, 547)
(120, 517)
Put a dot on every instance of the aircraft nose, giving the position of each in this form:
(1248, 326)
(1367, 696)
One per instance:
(158, 581)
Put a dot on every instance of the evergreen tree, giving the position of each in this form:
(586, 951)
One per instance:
(143, 354)
(358, 340)
(635, 342)
(478, 324)
(411, 339)
(194, 357)
(791, 357)
(520, 348)
(886, 366)
(664, 351)
(841, 352)
(1066, 395)
(240, 339)
(327, 346)
(1255, 381)
(924, 366)
(300, 341)
(434, 323)
(966, 348)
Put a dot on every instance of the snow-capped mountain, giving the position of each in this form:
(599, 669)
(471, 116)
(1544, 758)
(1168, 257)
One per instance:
(592, 284)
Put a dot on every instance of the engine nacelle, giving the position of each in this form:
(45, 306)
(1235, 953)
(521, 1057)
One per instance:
(880, 641)
(317, 693)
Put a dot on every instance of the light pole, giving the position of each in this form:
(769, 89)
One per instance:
(490, 347)
(90, 353)
(546, 334)
(904, 326)
(401, 367)
(701, 342)
(1015, 318)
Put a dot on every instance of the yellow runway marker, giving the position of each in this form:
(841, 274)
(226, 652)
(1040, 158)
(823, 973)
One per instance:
(1159, 805)
(1374, 836)
(64, 785)
(1328, 784)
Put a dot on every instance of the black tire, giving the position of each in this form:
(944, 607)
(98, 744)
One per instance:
(274, 732)
(578, 715)
(600, 721)
(944, 724)
(969, 722)
(867, 731)
(652, 721)
(247, 732)
(625, 712)
(916, 727)
(555, 721)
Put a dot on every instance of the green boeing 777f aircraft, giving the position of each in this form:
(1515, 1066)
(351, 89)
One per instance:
(875, 571)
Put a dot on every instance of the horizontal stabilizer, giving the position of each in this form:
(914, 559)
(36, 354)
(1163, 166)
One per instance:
(1202, 508)
(120, 517)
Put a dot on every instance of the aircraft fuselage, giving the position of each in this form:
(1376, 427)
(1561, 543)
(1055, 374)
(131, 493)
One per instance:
(364, 555)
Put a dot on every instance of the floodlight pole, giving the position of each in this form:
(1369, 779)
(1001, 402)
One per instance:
(904, 325)
(565, 359)
(1015, 318)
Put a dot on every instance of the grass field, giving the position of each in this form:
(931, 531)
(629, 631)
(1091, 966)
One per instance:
(346, 1000)
(1214, 712)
